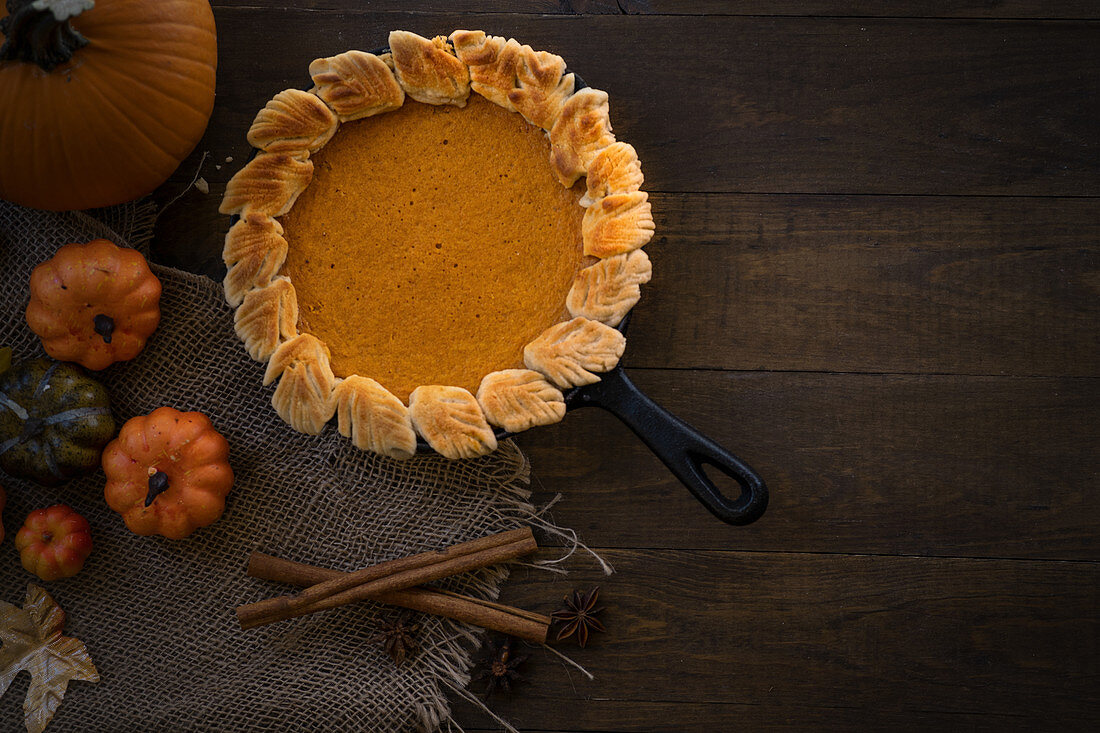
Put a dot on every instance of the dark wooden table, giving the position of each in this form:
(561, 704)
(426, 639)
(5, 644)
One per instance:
(877, 279)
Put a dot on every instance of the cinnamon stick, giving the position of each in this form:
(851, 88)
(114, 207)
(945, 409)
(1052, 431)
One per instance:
(517, 622)
(391, 576)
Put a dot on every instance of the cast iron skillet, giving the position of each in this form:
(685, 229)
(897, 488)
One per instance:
(682, 448)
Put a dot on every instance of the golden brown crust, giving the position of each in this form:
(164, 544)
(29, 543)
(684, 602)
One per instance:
(607, 290)
(428, 70)
(293, 122)
(356, 85)
(493, 61)
(583, 129)
(568, 353)
(373, 418)
(518, 399)
(254, 252)
(452, 422)
(476, 48)
(542, 87)
(267, 317)
(303, 397)
(268, 184)
(615, 169)
(621, 222)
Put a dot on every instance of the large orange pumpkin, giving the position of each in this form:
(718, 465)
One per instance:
(100, 108)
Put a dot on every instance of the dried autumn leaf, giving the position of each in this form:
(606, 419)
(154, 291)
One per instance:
(33, 642)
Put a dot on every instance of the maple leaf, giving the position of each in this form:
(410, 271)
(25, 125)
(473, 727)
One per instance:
(33, 642)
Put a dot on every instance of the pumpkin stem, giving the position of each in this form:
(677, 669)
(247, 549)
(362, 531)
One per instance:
(39, 31)
(32, 426)
(158, 484)
(104, 325)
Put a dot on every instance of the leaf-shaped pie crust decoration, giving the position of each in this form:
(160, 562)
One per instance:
(518, 399)
(428, 70)
(33, 642)
(254, 252)
(543, 87)
(615, 169)
(452, 422)
(293, 122)
(494, 64)
(607, 290)
(268, 184)
(374, 418)
(267, 317)
(582, 131)
(568, 353)
(356, 85)
(303, 398)
(621, 222)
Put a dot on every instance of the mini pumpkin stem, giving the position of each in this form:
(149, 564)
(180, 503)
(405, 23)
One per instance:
(39, 31)
(104, 325)
(158, 484)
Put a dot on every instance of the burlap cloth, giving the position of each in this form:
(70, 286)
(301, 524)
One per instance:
(157, 615)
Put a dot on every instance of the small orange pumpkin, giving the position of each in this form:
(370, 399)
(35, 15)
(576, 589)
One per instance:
(168, 473)
(94, 304)
(101, 100)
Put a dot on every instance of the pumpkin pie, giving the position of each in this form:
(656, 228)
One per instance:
(415, 252)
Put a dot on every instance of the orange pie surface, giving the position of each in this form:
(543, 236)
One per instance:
(432, 244)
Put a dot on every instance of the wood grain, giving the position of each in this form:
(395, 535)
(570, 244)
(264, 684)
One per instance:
(817, 638)
(872, 284)
(913, 465)
(774, 105)
(1066, 9)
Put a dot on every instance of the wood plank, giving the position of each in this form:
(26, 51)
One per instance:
(774, 104)
(868, 284)
(839, 640)
(899, 284)
(915, 465)
(1029, 9)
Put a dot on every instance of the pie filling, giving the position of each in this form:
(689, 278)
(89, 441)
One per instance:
(432, 244)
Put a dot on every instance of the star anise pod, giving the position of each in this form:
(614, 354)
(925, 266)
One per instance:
(398, 637)
(579, 616)
(500, 668)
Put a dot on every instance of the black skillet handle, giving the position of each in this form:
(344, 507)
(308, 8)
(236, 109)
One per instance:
(680, 447)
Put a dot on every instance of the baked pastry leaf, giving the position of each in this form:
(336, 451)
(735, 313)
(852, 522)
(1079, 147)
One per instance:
(607, 290)
(267, 317)
(518, 399)
(621, 222)
(542, 87)
(293, 121)
(493, 61)
(452, 422)
(356, 84)
(615, 169)
(582, 130)
(428, 70)
(254, 252)
(569, 353)
(303, 397)
(268, 184)
(374, 418)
